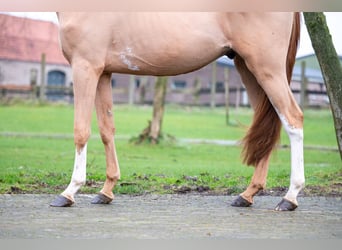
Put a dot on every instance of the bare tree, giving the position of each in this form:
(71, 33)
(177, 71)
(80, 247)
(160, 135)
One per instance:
(152, 132)
(330, 66)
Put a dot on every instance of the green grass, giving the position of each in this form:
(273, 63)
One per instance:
(37, 165)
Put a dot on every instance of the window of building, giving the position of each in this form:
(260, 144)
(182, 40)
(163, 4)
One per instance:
(137, 83)
(219, 86)
(178, 84)
(56, 78)
(113, 82)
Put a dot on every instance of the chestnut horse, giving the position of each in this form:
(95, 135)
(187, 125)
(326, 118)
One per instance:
(263, 46)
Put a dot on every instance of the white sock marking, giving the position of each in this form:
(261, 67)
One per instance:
(297, 160)
(79, 174)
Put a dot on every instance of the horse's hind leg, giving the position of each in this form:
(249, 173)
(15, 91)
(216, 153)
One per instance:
(270, 59)
(103, 104)
(273, 80)
(85, 78)
(255, 94)
(292, 119)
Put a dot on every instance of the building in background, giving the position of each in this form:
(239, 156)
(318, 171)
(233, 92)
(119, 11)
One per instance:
(22, 43)
(316, 95)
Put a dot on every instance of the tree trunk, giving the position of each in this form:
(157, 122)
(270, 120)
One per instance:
(152, 132)
(197, 90)
(142, 89)
(158, 109)
(330, 66)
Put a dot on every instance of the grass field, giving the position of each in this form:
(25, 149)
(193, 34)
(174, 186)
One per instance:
(40, 158)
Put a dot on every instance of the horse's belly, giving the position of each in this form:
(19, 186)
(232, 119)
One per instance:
(161, 63)
(164, 47)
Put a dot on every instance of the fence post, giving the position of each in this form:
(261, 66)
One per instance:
(33, 83)
(213, 86)
(131, 90)
(303, 87)
(42, 78)
(226, 92)
(237, 98)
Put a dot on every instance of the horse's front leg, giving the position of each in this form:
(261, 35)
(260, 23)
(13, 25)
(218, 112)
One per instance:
(85, 82)
(103, 104)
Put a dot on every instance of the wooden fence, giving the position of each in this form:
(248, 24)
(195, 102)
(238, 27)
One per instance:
(49, 93)
(121, 95)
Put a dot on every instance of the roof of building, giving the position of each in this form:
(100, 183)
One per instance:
(313, 75)
(311, 61)
(224, 60)
(24, 39)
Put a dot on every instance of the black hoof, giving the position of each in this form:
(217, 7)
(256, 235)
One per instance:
(241, 202)
(101, 199)
(61, 201)
(285, 205)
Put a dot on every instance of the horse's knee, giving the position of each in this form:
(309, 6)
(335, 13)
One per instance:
(107, 134)
(81, 137)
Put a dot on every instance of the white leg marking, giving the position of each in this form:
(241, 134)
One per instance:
(79, 174)
(297, 160)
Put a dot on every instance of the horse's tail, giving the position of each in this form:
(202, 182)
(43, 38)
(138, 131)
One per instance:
(258, 143)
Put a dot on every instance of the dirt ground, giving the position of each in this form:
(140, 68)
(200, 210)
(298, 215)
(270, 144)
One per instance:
(186, 216)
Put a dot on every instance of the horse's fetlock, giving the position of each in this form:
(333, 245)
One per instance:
(79, 182)
(113, 178)
(299, 183)
(258, 186)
